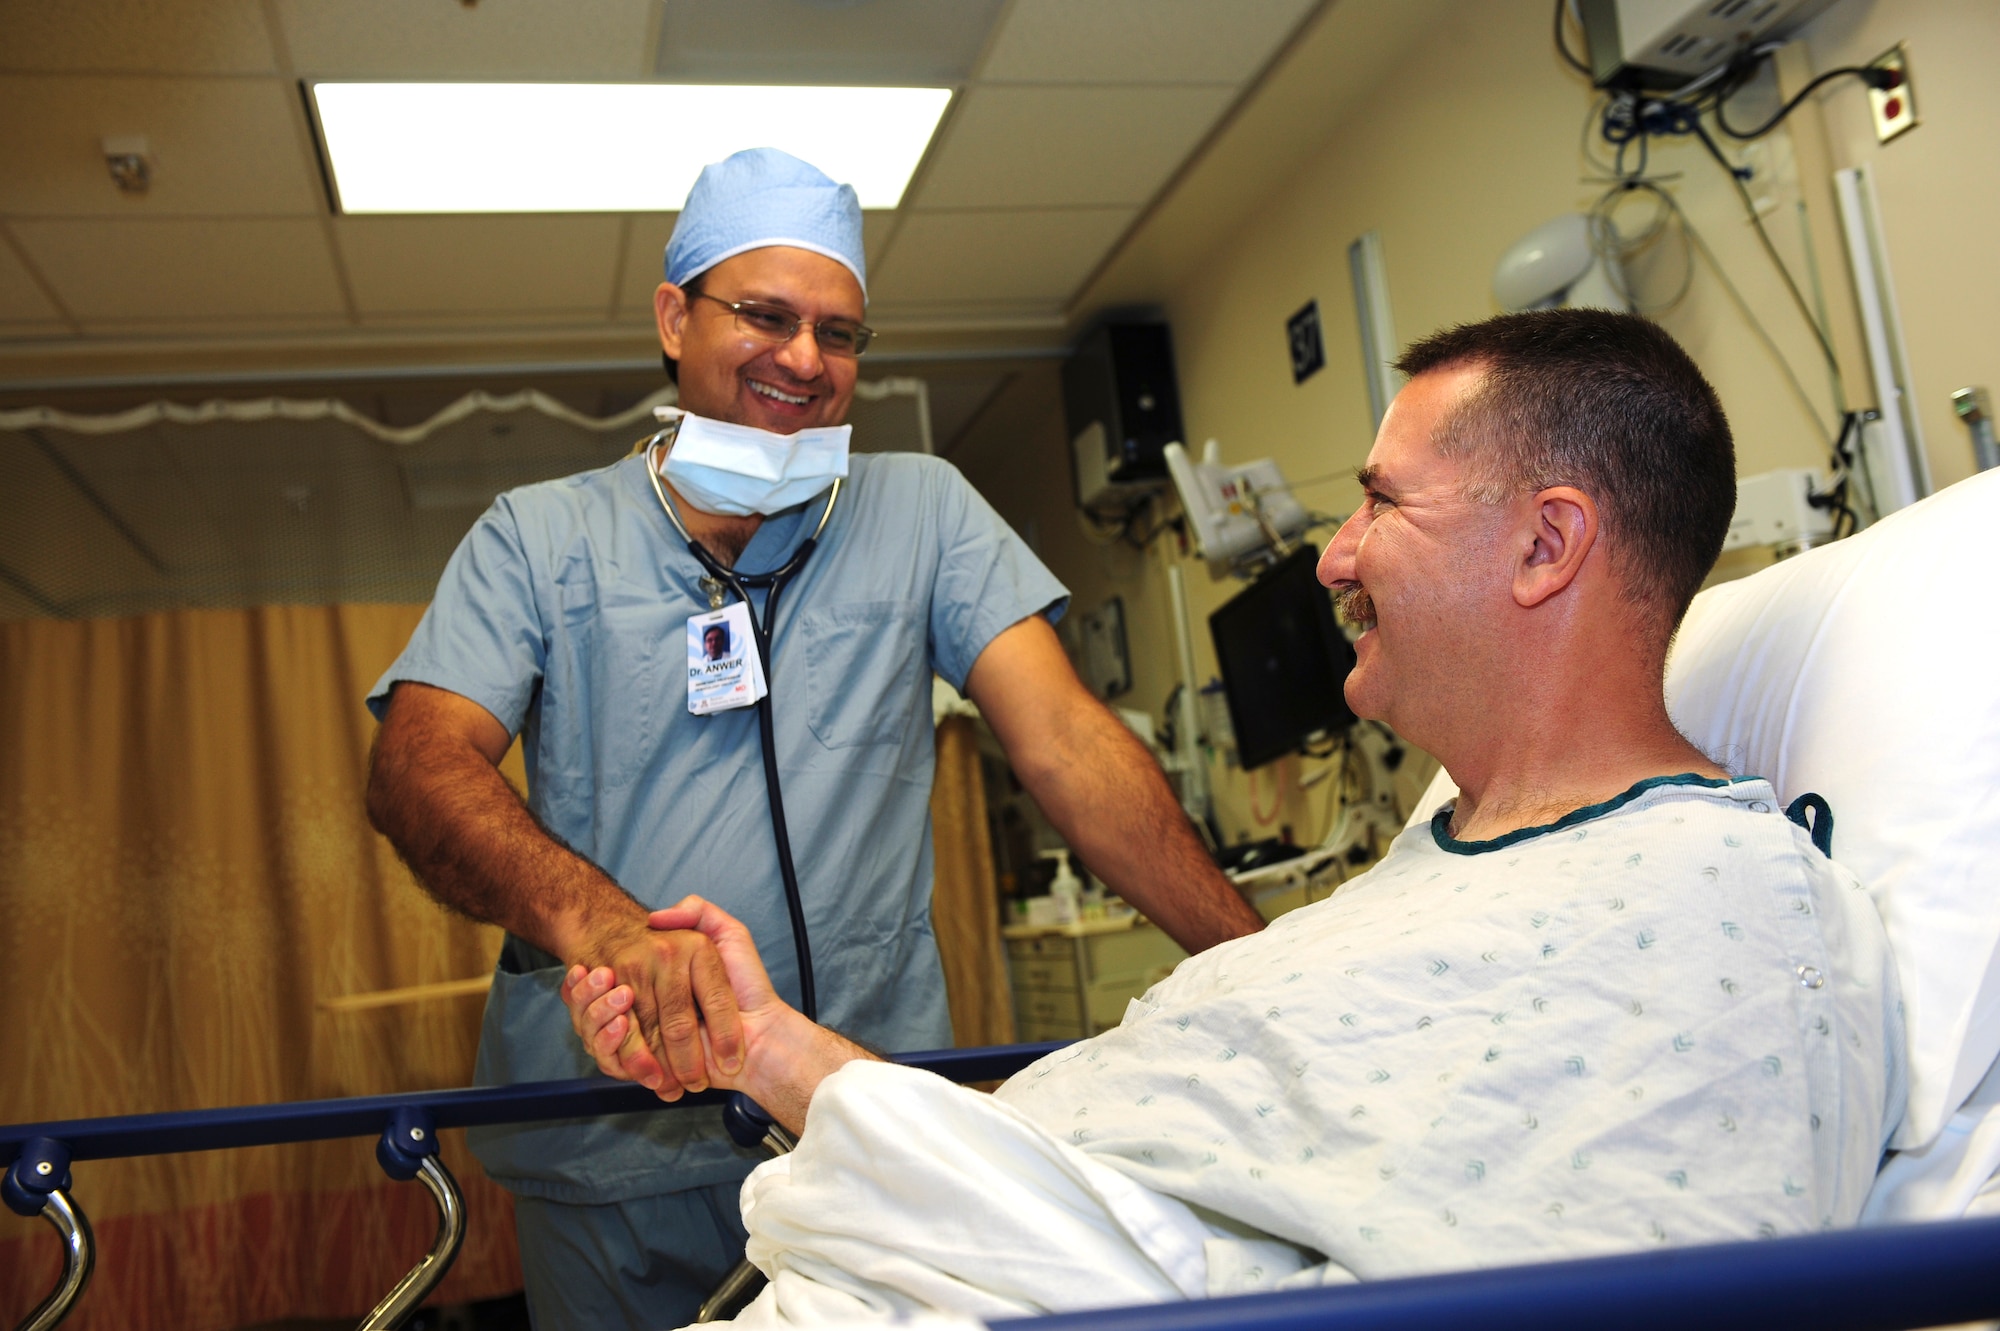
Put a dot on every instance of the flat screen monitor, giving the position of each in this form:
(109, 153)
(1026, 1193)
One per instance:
(1284, 661)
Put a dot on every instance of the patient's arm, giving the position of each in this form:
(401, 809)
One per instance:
(785, 1057)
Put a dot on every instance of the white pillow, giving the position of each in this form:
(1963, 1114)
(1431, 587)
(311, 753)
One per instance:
(1869, 671)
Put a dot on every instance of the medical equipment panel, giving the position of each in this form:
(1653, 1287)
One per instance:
(1666, 43)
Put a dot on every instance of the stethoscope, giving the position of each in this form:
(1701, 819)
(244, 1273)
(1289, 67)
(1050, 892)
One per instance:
(720, 579)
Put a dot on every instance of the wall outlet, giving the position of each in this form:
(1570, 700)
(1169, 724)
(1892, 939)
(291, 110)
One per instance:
(1895, 108)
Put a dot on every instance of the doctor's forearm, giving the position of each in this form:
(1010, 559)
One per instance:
(1112, 804)
(475, 847)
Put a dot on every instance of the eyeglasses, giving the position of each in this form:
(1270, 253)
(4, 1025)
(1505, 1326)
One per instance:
(775, 323)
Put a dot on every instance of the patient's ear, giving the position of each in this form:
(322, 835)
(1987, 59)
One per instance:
(1560, 526)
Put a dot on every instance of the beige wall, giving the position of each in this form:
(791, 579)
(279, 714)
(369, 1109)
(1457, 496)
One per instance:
(1939, 186)
(1460, 139)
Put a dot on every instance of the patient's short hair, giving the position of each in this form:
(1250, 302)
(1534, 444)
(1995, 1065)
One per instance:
(1612, 405)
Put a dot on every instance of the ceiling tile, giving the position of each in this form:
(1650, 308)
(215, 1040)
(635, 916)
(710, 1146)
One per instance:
(645, 260)
(645, 255)
(1020, 147)
(21, 299)
(919, 43)
(179, 268)
(877, 225)
(479, 265)
(222, 146)
(139, 36)
(1139, 41)
(495, 39)
(1020, 255)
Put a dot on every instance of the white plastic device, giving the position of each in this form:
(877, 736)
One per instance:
(1775, 508)
(1560, 263)
(1237, 513)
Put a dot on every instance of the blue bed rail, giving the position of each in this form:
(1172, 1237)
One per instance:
(1886, 1279)
(478, 1106)
(38, 1155)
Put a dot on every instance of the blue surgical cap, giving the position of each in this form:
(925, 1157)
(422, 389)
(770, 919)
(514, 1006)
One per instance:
(761, 197)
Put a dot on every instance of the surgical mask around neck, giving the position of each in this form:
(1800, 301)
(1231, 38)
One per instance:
(738, 470)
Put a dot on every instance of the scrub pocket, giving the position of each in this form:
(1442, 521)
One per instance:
(865, 667)
(615, 662)
(525, 1034)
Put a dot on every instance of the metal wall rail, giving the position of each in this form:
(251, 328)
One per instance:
(37, 1179)
(1886, 1279)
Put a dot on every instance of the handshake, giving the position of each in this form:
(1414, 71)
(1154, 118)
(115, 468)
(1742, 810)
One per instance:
(721, 1024)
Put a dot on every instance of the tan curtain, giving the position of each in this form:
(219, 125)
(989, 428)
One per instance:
(186, 873)
(965, 902)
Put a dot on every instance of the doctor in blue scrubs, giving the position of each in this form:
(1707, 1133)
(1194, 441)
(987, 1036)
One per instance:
(567, 616)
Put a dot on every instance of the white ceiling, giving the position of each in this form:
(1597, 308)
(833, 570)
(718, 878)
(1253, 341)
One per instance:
(1073, 116)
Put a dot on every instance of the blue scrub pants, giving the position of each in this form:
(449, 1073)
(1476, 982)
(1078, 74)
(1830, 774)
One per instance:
(643, 1265)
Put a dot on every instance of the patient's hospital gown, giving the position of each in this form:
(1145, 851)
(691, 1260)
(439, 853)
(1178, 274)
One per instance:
(1665, 1019)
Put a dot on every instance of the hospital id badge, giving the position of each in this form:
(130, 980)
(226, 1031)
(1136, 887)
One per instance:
(723, 666)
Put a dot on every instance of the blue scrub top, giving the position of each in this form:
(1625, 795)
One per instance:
(564, 613)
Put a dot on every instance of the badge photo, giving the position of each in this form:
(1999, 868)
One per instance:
(724, 669)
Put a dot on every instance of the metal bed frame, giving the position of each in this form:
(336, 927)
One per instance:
(1886, 1279)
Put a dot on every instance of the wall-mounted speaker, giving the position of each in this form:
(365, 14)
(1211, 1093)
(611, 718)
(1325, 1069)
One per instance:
(1122, 407)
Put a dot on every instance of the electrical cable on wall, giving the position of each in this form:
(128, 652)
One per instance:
(1606, 232)
(1698, 244)
(1629, 119)
(1883, 79)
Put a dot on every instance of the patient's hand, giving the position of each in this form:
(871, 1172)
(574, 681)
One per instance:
(600, 1010)
(785, 1057)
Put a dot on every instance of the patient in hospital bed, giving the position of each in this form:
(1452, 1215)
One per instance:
(1610, 997)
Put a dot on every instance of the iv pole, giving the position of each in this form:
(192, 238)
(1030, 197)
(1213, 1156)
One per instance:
(1187, 743)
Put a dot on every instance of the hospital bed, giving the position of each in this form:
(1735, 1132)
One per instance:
(1867, 671)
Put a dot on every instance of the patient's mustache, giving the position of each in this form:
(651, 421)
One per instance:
(1354, 606)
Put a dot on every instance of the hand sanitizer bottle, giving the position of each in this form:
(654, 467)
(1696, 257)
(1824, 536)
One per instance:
(1067, 889)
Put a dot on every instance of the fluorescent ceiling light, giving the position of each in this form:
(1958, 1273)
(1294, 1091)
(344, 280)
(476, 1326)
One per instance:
(603, 147)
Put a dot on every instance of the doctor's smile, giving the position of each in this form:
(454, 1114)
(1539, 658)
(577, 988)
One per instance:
(793, 399)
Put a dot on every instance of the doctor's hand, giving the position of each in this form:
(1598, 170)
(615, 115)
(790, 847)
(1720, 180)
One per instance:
(783, 1057)
(680, 1030)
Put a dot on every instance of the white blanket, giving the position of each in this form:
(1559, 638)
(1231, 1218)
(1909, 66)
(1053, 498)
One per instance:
(910, 1195)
